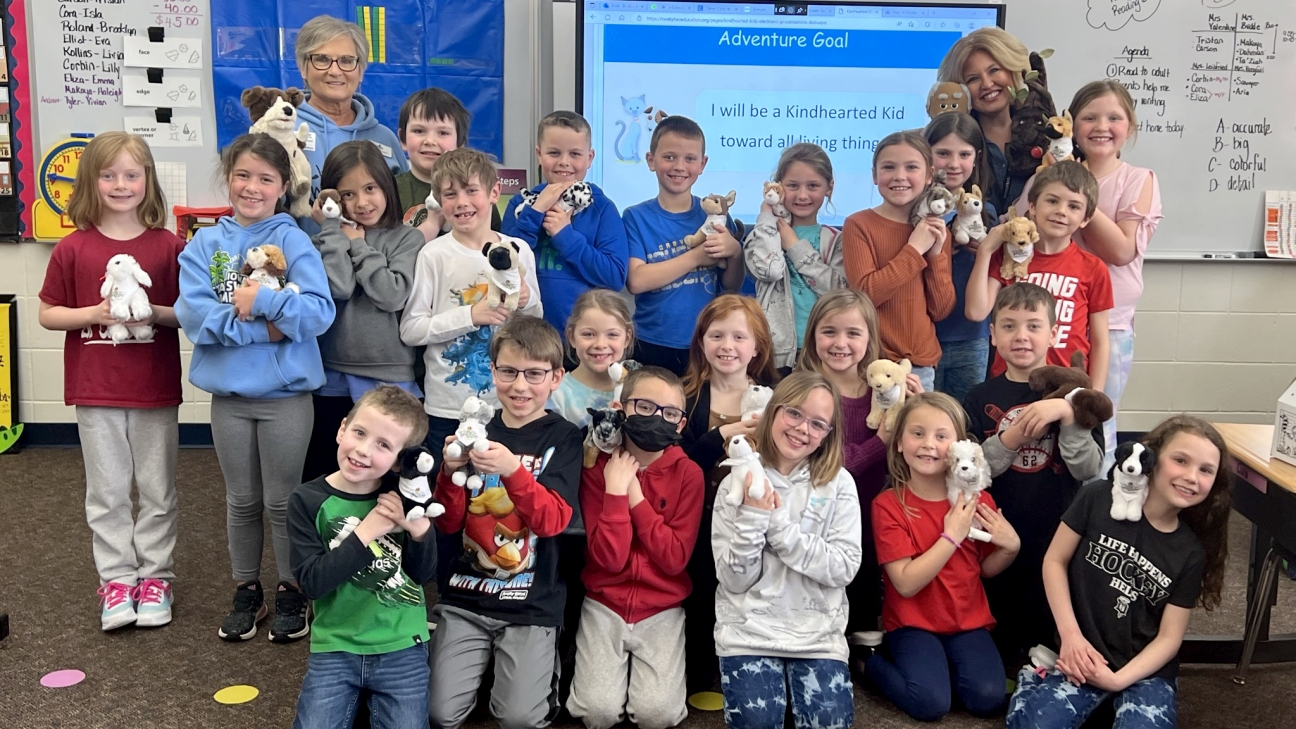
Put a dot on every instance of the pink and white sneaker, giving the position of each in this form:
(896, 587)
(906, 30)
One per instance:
(118, 605)
(153, 603)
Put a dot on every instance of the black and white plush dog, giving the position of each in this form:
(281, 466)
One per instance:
(573, 200)
(415, 492)
(504, 279)
(1129, 477)
(604, 433)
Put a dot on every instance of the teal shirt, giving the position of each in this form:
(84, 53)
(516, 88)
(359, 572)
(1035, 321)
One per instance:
(803, 297)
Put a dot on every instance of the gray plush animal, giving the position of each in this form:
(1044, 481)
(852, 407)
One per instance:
(935, 200)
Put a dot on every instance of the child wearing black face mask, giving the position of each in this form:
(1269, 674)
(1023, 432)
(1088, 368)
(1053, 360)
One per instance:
(642, 505)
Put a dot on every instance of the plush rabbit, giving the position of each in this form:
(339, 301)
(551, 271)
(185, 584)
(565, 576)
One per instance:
(123, 286)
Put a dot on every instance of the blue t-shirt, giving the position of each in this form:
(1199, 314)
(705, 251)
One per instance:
(803, 297)
(956, 327)
(666, 317)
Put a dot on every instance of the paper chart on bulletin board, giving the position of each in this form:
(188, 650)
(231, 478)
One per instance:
(77, 80)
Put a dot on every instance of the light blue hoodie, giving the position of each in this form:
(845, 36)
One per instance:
(232, 357)
(329, 135)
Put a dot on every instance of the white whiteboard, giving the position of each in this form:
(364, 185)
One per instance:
(1213, 81)
(76, 66)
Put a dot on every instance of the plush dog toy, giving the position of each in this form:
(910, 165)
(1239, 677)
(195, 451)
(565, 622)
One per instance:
(773, 194)
(753, 401)
(946, 97)
(574, 199)
(474, 414)
(123, 286)
(330, 203)
(504, 279)
(935, 200)
(416, 215)
(604, 433)
(1129, 477)
(968, 225)
(266, 265)
(1019, 238)
(1091, 407)
(887, 380)
(274, 113)
(1061, 146)
(717, 210)
(967, 474)
(416, 494)
(744, 460)
(618, 372)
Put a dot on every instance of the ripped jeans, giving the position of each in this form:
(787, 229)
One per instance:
(756, 692)
(1052, 702)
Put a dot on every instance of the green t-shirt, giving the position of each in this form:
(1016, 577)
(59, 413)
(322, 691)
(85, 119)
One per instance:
(803, 297)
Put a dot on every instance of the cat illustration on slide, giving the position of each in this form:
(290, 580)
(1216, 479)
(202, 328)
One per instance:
(626, 146)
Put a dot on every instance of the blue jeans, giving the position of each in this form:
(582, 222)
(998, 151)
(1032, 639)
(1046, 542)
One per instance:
(927, 375)
(962, 365)
(926, 669)
(1119, 364)
(397, 682)
(756, 692)
(1052, 702)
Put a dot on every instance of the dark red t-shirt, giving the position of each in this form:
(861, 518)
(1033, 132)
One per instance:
(132, 374)
(955, 600)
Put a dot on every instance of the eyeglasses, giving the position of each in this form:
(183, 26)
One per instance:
(509, 374)
(646, 408)
(818, 428)
(322, 62)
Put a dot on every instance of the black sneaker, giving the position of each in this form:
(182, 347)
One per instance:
(292, 615)
(249, 609)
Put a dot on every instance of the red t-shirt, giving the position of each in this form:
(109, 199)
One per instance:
(132, 374)
(1080, 283)
(955, 600)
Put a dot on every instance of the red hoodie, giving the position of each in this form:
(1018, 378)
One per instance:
(635, 559)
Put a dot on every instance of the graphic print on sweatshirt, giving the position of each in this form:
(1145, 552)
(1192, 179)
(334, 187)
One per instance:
(226, 275)
(469, 354)
(498, 547)
(383, 576)
(1034, 455)
(1132, 575)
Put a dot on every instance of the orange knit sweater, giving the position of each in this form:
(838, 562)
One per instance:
(911, 291)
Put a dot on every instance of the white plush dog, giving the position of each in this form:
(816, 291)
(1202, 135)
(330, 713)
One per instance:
(967, 474)
(471, 434)
(753, 402)
(123, 286)
(1129, 477)
(743, 460)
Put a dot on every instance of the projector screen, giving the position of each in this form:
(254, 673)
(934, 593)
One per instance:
(758, 77)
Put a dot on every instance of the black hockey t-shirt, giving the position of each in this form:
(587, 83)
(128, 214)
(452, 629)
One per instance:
(1124, 573)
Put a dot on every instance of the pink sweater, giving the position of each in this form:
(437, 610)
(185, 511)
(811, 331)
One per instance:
(1118, 191)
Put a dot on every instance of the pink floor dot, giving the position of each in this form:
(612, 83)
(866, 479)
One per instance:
(62, 679)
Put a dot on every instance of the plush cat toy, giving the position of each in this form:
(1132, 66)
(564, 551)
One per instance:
(968, 225)
(415, 492)
(935, 200)
(1129, 477)
(743, 460)
(773, 194)
(967, 474)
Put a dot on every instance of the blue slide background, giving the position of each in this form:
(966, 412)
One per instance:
(457, 45)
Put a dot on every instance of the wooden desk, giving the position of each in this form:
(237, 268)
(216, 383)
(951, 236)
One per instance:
(1264, 491)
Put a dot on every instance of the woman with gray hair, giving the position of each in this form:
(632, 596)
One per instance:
(332, 55)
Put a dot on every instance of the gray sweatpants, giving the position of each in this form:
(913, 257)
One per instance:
(525, 694)
(261, 445)
(624, 670)
(121, 445)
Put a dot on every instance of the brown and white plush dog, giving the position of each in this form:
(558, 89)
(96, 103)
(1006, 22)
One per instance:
(266, 265)
(330, 204)
(1020, 236)
(1058, 129)
(504, 280)
(274, 113)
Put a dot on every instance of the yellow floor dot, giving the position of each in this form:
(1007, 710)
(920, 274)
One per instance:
(706, 701)
(236, 694)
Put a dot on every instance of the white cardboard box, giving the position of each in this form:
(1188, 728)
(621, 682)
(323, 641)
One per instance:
(1284, 442)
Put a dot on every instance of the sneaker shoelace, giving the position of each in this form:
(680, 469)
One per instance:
(152, 591)
(114, 594)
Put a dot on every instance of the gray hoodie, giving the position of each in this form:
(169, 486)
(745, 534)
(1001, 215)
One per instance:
(783, 574)
(369, 279)
(767, 262)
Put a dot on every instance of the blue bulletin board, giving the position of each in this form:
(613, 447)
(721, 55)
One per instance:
(457, 45)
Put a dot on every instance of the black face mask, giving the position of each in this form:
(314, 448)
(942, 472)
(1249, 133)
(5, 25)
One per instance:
(650, 432)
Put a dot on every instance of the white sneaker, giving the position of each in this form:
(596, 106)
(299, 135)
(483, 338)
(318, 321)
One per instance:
(867, 638)
(118, 605)
(153, 603)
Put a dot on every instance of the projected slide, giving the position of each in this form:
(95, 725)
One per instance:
(757, 81)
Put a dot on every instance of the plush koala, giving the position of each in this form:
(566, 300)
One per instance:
(1129, 477)
(967, 474)
(1019, 238)
(474, 414)
(887, 380)
(504, 280)
(604, 433)
(266, 265)
(773, 195)
(948, 96)
(1092, 408)
(743, 460)
(935, 200)
(415, 492)
(753, 401)
(330, 204)
(1061, 147)
(274, 112)
(968, 225)
(123, 286)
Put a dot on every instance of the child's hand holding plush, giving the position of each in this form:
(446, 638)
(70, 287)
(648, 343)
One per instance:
(244, 297)
(375, 524)
(555, 219)
(1077, 659)
(787, 236)
(769, 502)
(495, 459)
(721, 246)
(549, 196)
(1002, 534)
(958, 520)
(390, 507)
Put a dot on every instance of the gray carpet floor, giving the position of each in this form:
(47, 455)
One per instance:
(165, 677)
